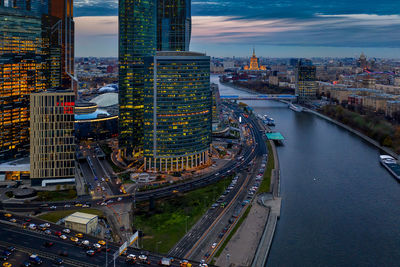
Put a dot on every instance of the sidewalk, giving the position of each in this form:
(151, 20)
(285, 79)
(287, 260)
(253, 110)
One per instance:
(244, 243)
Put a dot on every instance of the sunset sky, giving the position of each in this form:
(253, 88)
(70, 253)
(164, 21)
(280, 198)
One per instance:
(288, 28)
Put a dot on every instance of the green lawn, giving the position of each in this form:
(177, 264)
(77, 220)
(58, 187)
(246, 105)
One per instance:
(56, 195)
(266, 182)
(166, 225)
(55, 216)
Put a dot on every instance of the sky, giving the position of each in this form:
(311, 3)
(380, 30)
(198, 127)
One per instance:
(276, 28)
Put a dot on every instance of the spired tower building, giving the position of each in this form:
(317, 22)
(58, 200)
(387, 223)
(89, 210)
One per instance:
(165, 96)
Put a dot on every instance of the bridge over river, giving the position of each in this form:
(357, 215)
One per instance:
(260, 97)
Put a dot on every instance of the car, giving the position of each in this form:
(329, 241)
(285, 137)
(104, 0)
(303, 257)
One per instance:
(103, 204)
(8, 215)
(35, 259)
(90, 252)
(32, 226)
(119, 199)
(63, 253)
(97, 246)
(207, 255)
(67, 206)
(101, 242)
(102, 188)
(57, 233)
(131, 257)
(74, 239)
(53, 207)
(11, 248)
(58, 261)
(48, 244)
(85, 206)
(46, 225)
(231, 220)
(63, 237)
(47, 232)
(26, 264)
(3, 257)
(13, 220)
(28, 219)
(214, 245)
(85, 243)
(221, 235)
(7, 253)
(78, 205)
(7, 264)
(79, 235)
(66, 230)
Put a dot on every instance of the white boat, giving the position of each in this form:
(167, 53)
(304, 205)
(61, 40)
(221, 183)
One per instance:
(391, 165)
(295, 108)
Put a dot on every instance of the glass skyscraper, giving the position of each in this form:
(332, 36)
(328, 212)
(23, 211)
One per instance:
(137, 40)
(178, 116)
(306, 86)
(165, 97)
(174, 25)
(31, 49)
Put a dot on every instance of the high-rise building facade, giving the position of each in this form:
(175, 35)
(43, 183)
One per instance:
(306, 85)
(174, 25)
(31, 59)
(52, 142)
(137, 40)
(178, 116)
(165, 97)
(23, 64)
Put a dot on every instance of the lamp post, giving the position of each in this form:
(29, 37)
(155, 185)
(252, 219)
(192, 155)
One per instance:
(159, 242)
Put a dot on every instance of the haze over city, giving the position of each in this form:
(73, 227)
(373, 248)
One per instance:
(307, 28)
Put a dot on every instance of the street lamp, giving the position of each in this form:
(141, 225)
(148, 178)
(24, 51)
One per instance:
(187, 223)
(159, 242)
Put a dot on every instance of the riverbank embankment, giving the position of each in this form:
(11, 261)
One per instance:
(359, 134)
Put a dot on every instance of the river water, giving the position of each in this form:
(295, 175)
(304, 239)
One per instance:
(340, 207)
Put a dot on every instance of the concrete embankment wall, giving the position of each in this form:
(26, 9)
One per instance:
(359, 134)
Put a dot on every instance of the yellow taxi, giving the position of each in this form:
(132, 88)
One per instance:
(79, 235)
(8, 215)
(102, 242)
(78, 205)
(74, 239)
(7, 264)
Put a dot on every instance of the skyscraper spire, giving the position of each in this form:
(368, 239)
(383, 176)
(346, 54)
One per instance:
(254, 51)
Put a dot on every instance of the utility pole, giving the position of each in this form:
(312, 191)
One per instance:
(106, 254)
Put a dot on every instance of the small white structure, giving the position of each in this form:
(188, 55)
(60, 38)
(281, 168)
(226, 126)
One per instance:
(82, 222)
(142, 177)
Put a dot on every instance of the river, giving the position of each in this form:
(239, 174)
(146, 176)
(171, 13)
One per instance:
(340, 207)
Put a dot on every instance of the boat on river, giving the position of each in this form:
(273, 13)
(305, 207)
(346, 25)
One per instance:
(391, 165)
(295, 107)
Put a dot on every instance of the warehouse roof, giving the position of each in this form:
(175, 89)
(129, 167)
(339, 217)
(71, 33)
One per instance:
(80, 217)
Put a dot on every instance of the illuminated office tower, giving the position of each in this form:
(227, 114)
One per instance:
(52, 145)
(178, 111)
(137, 40)
(23, 66)
(306, 86)
(174, 25)
(62, 15)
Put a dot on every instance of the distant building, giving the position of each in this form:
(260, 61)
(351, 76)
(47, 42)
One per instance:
(82, 222)
(52, 145)
(216, 109)
(306, 86)
(178, 116)
(254, 64)
(362, 61)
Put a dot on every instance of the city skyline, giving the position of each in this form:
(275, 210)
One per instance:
(224, 28)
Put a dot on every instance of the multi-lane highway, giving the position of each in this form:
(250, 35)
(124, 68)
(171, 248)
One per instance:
(36, 241)
(212, 227)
